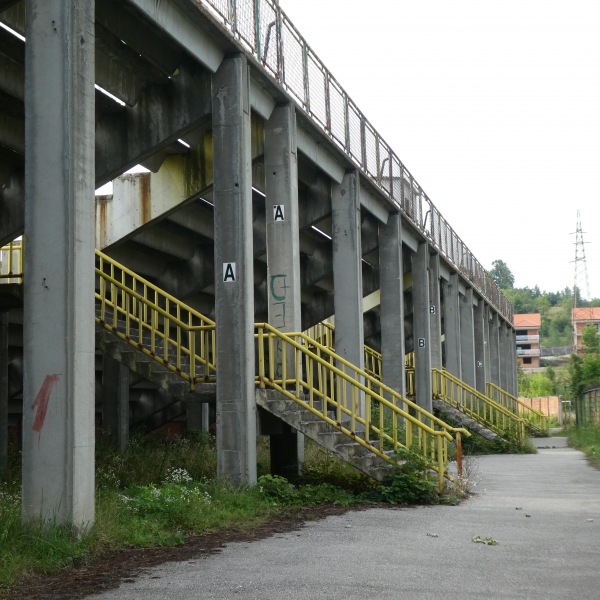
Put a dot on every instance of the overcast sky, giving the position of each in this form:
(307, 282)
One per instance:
(494, 106)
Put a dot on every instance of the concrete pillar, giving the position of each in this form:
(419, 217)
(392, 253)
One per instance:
(3, 392)
(480, 346)
(283, 259)
(452, 325)
(58, 392)
(502, 343)
(512, 340)
(435, 313)
(347, 270)
(422, 328)
(509, 358)
(486, 343)
(467, 338)
(234, 281)
(494, 343)
(391, 276)
(115, 403)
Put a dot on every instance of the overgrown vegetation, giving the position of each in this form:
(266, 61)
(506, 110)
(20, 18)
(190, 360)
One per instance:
(160, 491)
(587, 439)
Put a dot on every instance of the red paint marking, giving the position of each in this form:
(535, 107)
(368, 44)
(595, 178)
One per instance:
(41, 401)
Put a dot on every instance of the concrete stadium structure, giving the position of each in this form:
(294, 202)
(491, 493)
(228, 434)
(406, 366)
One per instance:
(270, 198)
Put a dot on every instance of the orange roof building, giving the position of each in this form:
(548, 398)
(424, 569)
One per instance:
(582, 317)
(527, 329)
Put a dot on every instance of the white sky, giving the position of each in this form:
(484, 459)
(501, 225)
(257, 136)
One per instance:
(494, 107)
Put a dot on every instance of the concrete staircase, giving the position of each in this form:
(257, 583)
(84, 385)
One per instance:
(324, 434)
(463, 420)
(175, 392)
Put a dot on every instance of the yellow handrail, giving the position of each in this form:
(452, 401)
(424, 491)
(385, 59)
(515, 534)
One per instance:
(473, 403)
(156, 323)
(362, 407)
(533, 418)
(11, 262)
(184, 341)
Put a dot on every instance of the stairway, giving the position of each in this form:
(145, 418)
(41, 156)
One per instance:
(345, 409)
(333, 440)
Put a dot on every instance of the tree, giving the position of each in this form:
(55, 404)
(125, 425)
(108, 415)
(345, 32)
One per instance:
(502, 275)
(590, 340)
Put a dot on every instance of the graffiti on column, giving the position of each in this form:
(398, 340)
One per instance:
(278, 288)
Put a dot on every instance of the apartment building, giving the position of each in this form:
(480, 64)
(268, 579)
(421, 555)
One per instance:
(582, 317)
(527, 329)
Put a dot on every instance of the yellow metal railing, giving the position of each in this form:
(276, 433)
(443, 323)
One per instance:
(11, 262)
(154, 322)
(373, 363)
(309, 372)
(476, 405)
(350, 399)
(534, 419)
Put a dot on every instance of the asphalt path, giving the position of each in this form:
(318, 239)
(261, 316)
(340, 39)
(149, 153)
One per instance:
(542, 510)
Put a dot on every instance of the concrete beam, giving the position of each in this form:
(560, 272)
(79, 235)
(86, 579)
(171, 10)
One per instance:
(320, 156)
(375, 204)
(164, 114)
(58, 393)
(184, 28)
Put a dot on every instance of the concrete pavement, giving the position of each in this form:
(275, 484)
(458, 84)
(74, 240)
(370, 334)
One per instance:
(543, 510)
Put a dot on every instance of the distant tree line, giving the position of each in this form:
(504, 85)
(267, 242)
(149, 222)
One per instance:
(583, 372)
(554, 307)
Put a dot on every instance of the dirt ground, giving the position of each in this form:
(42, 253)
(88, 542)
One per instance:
(112, 569)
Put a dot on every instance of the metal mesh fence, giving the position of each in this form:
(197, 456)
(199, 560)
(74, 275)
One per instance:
(264, 30)
(589, 409)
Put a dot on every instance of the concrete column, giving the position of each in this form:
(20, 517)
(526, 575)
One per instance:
(391, 276)
(115, 403)
(234, 281)
(452, 325)
(283, 258)
(3, 393)
(502, 343)
(486, 343)
(512, 340)
(467, 338)
(435, 312)
(347, 270)
(480, 346)
(494, 343)
(58, 392)
(509, 358)
(422, 328)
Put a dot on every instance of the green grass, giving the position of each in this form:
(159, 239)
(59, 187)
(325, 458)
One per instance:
(158, 493)
(586, 439)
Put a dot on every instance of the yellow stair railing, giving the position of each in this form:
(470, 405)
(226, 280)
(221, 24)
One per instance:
(156, 323)
(11, 262)
(350, 399)
(534, 419)
(476, 405)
